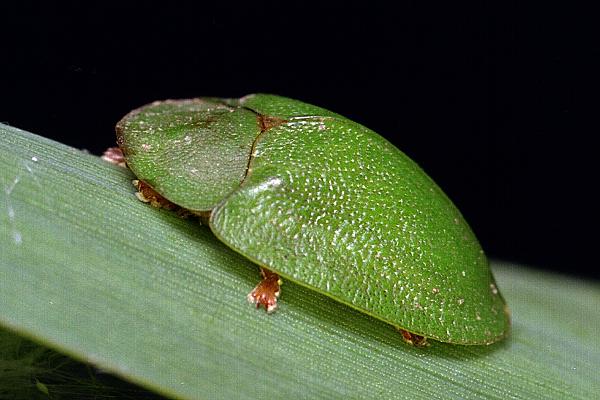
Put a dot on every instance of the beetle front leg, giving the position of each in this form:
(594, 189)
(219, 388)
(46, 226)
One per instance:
(413, 339)
(267, 291)
(146, 194)
(114, 155)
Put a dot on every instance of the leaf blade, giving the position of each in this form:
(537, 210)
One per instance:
(89, 270)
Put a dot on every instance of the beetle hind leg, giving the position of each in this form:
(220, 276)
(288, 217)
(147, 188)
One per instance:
(267, 291)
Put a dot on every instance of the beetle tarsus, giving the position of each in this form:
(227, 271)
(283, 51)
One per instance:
(146, 194)
(114, 155)
(267, 291)
(413, 339)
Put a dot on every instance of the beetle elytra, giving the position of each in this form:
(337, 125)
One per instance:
(315, 198)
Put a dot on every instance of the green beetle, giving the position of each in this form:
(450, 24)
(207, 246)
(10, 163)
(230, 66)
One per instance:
(313, 197)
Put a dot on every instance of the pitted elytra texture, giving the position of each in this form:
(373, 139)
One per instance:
(325, 202)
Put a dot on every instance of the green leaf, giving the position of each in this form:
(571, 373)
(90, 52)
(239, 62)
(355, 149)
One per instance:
(29, 371)
(87, 269)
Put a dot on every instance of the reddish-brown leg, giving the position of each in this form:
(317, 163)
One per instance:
(114, 155)
(146, 194)
(413, 339)
(267, 291)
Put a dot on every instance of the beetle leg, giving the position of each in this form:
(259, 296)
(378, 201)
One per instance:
(413, 339)
(114, 155)
(267, 291)
(146, 194)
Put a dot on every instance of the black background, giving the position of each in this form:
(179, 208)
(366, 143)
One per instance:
(497, 103)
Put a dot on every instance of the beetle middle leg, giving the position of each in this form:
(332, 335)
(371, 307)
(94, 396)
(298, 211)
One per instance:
(267, 291)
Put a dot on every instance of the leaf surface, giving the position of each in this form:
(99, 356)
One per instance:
(89, 270)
